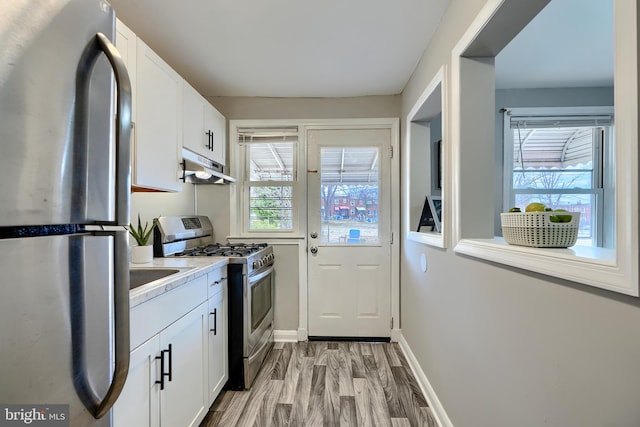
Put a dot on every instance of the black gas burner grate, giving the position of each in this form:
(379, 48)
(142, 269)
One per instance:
(218, 249)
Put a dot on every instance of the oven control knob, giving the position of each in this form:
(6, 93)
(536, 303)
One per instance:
(257, 264)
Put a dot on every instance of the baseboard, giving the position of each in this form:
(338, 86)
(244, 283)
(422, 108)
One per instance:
(436, 407)
(348, 339)
(285, 336)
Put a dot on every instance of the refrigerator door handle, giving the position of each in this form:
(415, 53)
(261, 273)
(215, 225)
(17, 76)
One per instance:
(101, 44)
(121, 339)
(121, 336)
(123, 128)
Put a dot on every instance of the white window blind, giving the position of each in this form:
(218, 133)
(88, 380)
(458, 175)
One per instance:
(543, 122)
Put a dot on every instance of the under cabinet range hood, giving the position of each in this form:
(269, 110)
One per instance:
(197, 169)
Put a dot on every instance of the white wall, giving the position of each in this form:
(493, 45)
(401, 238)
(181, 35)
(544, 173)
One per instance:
(286, 304)
(213, 201)
(503, 347)
(154, 204)
(238, 108)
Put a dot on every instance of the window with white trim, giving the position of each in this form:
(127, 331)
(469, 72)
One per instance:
(562, 158)
(269, 187)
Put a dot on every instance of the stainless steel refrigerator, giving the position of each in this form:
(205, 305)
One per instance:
(65, 115)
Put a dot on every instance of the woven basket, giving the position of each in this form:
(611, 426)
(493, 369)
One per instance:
(535, 229)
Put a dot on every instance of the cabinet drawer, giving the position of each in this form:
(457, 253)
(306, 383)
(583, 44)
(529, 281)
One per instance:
(215, 280)
(151, 317)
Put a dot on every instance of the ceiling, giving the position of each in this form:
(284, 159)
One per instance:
(287, 48)
(291, 48)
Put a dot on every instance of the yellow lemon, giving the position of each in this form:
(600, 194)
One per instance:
(535, 207)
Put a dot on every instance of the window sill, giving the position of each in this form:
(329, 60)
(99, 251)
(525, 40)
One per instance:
(583, 264)
(428, 238)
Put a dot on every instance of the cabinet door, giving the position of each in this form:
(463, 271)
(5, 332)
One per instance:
(193, 135)
(216, 123)
(138, 404)
(126, 44)
(218, 364)
(159, 127)
(183, 402)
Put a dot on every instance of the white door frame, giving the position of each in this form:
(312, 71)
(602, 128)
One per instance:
(394, 125)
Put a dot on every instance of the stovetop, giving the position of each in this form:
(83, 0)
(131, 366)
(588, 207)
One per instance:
(224, 249)
(187, 236)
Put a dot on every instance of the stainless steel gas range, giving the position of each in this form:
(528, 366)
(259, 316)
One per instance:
(251, 289)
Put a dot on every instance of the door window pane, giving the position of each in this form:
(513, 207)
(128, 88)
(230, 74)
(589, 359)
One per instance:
(349, 195)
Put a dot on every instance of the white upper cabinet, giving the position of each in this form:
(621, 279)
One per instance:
(215, 122)
(159, 128)
(193, 134)
(156, 114)
(126, 44)
(204, 128)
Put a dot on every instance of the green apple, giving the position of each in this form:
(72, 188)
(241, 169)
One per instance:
(563, 218)
(560, 218)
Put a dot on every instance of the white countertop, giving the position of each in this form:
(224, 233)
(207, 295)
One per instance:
(190, 268)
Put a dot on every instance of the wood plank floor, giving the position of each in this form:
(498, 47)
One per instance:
(327, 384)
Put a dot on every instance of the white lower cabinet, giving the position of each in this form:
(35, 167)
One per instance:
(218, 360)
(184, 400)
(168, 376)
(139, 402)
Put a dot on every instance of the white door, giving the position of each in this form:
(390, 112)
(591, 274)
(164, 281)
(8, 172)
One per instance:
(349, 247)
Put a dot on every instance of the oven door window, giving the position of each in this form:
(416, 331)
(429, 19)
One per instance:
(260, 300)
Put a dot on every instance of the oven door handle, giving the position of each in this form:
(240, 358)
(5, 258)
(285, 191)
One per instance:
(257, 277)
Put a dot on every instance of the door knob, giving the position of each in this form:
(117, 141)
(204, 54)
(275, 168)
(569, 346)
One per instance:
(314, 235)
(313, 249)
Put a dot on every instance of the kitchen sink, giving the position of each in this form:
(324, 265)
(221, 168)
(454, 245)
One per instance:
(142, 276)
